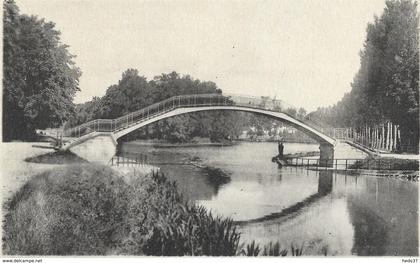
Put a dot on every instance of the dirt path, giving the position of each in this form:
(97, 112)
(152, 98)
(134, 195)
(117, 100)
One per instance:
(14, 170)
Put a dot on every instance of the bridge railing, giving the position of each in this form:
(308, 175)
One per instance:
(112, 125)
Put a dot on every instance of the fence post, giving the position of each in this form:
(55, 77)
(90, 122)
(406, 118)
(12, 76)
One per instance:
(346, 164)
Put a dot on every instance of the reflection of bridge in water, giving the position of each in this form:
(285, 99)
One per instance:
(325, 184)
(96, 140)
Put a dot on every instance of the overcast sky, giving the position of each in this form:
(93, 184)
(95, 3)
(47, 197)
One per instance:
(305, 52)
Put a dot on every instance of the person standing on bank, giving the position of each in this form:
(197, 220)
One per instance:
(281, 148)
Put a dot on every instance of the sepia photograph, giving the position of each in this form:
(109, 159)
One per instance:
(136, 129)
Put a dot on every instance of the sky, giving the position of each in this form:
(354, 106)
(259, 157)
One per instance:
(305, 52)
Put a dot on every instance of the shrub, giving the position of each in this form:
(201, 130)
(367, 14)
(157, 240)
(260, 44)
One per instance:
(169, 227)
(65, 211)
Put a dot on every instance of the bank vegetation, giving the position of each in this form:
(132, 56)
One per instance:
(89, 209)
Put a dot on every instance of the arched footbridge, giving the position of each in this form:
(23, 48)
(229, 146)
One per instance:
(96, 140)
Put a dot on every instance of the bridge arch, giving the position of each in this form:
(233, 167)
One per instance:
(310, 131)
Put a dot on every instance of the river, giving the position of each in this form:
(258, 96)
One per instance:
(327, 212)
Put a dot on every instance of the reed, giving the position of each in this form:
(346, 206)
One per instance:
(274, 250)
(252, 250)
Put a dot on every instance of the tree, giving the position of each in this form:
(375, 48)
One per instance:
(132, 93)
(301, 113)
(84, 112)
(40, 77)
(291, 111)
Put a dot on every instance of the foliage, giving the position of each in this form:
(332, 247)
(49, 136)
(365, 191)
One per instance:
(131, 93)
(84, 112)
(386, 87)
(189, 230)
(40, 78)
(171, 227)
(260, 125)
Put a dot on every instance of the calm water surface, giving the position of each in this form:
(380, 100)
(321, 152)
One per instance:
(326, 211)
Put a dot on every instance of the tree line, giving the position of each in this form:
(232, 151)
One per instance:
(386, 87)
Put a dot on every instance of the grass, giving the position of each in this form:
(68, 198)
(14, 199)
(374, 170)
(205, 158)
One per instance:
(88, 209)
(271, 249)
(65, 212)
(377, 163)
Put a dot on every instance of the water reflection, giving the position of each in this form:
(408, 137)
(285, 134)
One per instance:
(384, 213)
(325, 184)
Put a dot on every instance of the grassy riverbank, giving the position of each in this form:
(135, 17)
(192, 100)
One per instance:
(198, 142)
(93, 210)
(385, 163)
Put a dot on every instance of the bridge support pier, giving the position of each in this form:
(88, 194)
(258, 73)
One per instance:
(326, 158)
(98, 149)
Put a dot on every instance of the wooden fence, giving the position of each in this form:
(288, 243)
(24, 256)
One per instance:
(385, 137)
